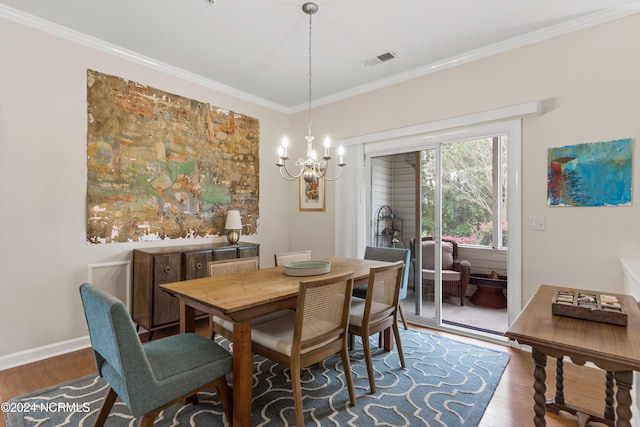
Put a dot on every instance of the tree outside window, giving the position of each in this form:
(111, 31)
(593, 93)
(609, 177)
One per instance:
(474, 191)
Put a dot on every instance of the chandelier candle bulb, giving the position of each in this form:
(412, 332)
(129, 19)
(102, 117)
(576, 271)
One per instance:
(280, 154)
(327, 145)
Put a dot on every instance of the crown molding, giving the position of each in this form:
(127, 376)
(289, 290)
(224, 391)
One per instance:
(484, 52)
(470, 56)
(94, 43)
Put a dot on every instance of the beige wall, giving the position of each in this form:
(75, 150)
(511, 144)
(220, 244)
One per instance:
(588, 82)
(43, 254)
(587, 79)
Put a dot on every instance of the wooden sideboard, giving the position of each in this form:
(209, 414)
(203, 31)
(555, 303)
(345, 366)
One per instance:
(151, 307)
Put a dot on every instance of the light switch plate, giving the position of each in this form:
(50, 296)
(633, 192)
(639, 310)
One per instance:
(537, 223)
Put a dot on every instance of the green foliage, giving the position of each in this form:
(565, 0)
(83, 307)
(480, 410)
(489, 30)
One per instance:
(467, 191)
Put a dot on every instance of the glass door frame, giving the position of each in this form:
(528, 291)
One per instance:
(436, 320)
(419, 142)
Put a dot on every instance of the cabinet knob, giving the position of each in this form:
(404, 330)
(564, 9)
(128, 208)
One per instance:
(167, 269)
(199, 265)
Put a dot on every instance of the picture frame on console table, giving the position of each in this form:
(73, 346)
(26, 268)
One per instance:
(312, 195)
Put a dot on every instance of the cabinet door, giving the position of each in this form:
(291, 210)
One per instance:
(142, 289)
(225, 253)
(166, 269)
(247, 251)
(195, 264)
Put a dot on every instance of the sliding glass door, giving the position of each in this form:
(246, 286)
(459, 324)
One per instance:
(356, 208)
(446, 203)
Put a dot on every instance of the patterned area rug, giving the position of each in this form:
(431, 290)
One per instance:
(446, 383)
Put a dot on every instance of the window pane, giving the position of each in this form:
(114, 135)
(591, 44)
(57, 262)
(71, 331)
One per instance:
(467, 191)
(427, 187)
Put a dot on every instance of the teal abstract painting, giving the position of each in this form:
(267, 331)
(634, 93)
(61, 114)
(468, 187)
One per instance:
(593, 174)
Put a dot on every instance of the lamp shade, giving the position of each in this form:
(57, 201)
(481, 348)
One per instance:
(234, 222)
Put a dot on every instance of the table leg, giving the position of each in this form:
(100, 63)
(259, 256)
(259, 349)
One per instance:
(242, 373)
(624, 380)
(609, 411)
(187, 318)
(539, 387)
(559, 381)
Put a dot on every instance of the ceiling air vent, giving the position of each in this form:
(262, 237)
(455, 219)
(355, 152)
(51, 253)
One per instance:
(379, 59)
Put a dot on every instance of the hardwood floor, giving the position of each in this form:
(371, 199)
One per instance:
(512, 403)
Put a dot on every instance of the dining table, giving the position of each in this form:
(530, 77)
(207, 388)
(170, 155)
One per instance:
(241, 297)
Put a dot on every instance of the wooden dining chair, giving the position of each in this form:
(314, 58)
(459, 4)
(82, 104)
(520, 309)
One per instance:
(286, 258)
(389, 255)
(378, 311)
(231, 266)
(316, 330)
(235, 265)
(151, 376)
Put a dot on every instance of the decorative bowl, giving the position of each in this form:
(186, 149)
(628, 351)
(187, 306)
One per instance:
(307, 268)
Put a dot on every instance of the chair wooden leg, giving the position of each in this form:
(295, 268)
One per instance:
(297, 393)
(147, 419)
(225, 398)
(347, 373)
(107, 404)
(220, 385)
(396, 332)
(367, 357)
(402, 315)
(191, 400)
(212, 332)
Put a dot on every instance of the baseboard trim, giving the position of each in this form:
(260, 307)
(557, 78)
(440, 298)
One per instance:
(39, 353)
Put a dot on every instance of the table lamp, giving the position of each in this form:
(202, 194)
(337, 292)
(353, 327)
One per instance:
(234, 222)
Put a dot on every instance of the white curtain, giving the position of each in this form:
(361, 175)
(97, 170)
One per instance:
(351, 218)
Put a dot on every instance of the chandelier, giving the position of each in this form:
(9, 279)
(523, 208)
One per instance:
(312, 168)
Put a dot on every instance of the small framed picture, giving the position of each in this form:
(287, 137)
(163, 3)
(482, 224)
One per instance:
(312, 197)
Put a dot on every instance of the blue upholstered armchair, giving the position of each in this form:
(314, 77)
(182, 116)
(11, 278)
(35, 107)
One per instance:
(390, 255)
(151, 376)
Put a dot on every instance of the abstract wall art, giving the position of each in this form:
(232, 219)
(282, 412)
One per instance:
(162, 166)
(592, 174)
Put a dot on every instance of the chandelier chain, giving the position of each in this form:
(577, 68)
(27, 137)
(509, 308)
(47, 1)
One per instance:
(310, 74)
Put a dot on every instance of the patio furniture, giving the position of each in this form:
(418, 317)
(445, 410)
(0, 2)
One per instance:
(455, 272)
(490, 291)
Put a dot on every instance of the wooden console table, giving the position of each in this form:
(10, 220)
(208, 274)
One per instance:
(151, 307)
(615, 349)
